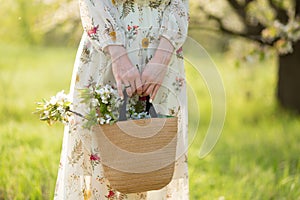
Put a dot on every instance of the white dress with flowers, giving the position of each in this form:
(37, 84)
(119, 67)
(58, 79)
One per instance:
(138, 25)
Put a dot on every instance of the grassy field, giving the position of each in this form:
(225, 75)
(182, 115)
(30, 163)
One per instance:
(257, 156)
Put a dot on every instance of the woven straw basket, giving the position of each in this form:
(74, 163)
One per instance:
(138, 155)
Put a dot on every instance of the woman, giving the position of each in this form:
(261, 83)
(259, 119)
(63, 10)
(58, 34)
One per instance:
(136, 45)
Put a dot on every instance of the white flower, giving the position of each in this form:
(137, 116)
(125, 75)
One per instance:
(53, 100)
(61, 98)
(61, 95)
(104, 100)
(100, 91)
(65, 118)
(94, 102)
(46, 112)
(61, 109)
(46, 105)
(101, 120)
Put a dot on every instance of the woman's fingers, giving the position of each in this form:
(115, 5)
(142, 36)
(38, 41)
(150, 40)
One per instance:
(154, 92)
(119, 88)
(125, 73)
(149, 90)
(130, 78)
(118, 80)
(133, 87)
(149, 84)
(138, 85)
(145, 82)
(128, 88)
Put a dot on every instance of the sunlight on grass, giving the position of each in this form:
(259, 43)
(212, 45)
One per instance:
(257, 156)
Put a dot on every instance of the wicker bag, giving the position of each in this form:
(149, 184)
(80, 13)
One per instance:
(138, 155)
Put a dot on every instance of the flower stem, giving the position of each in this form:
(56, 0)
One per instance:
(78, 114)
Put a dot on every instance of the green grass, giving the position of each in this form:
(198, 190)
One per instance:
(257, 156)
(30, 150)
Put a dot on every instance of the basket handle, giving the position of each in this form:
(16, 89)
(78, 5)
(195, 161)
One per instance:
(122, 110)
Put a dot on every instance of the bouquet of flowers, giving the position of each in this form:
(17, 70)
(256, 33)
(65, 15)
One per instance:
(55, 109)
(103, 101)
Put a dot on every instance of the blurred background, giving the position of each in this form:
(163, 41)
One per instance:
(255, 46)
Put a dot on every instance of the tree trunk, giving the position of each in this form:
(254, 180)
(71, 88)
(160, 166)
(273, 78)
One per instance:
(289, 79)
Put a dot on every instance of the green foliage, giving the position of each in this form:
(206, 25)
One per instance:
(18, 25)
(40, 22)
(91, 119)
(257, 156)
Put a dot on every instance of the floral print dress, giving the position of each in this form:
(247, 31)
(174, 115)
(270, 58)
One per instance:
(138, 25)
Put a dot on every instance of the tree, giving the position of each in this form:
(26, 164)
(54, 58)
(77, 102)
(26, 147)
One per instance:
(270, 24)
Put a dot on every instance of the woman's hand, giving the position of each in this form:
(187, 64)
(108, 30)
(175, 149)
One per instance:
(124, 72)
(156, 69)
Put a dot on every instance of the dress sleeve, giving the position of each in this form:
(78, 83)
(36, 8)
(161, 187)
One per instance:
(100, 20)
(174, 26)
